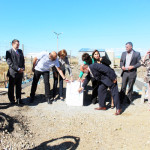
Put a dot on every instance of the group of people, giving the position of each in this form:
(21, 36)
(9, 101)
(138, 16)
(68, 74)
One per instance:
(104, 77)
(41, 66)
(97, 68)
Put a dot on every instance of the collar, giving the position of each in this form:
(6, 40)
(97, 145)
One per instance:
(131, 52)
(90, 72)
(14, 49)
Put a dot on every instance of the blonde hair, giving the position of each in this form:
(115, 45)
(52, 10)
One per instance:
(62, 53)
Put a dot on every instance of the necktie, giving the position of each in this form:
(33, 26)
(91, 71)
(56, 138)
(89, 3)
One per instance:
(17, 53)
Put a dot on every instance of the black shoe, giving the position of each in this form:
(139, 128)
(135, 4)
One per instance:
(12, 102)
(31, 99)
(49, 101)
(19, 101)
(55, 99)
(62, 99)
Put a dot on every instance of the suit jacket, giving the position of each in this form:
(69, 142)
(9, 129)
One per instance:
(14, 61)
(104, 61)
(135, 61)
(102, 73)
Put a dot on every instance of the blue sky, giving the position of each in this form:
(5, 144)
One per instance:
(84, 23)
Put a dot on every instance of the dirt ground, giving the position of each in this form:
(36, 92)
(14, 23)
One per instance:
(42, 126)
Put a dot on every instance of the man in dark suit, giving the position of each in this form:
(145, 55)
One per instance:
(15, 60)
(105, 77)
(129, 62)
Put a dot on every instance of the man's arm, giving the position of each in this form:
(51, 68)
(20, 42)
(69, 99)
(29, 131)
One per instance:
(10, 62)
(138, 61)
(138, 64)
(105, 61)
(23, 61)
(105, 70)
(121, 62)
(86, 81)
(34, 63)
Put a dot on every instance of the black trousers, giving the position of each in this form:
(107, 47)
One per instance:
(95, 86)
(127, 78)
(36, 78)
(15, 84)
(56, 75)
(102, 92)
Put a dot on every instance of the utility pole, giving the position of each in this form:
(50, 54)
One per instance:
(57, 34)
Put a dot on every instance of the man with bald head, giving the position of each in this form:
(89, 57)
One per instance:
(41, 66)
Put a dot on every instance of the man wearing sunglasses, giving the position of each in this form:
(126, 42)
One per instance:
(41, 66)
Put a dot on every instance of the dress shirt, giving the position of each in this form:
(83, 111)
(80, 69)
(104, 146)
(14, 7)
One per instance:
(44, 63)
(128, 59)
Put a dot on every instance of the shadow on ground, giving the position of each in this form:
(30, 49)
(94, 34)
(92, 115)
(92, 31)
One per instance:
(39, 98)
(5, 105)
(7, 122)
(125, 105)
(62, 143)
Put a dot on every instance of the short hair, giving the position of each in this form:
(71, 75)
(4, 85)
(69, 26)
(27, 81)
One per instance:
(62, 53)
(14, 41)
(130, 43)
(86, 57)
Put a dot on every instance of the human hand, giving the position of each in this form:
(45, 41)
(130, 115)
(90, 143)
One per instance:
(123, 68)
(66, 80)
(21, 70)
(115, 81)
(80, 89)
(79, 79)
(130, 67)
(82, 80)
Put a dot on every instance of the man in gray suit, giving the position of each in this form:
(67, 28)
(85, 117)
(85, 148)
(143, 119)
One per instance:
(129, 62)
(15, 61)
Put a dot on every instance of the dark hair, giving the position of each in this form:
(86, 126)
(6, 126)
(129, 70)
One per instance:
(94, 53)
(14, 41)
(130, 43)
(86, 57)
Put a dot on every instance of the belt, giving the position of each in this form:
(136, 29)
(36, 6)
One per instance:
(128, 71)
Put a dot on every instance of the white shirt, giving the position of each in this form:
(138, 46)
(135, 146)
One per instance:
(14, 49)
(128, 59)
(90, 72)
(44, 63)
